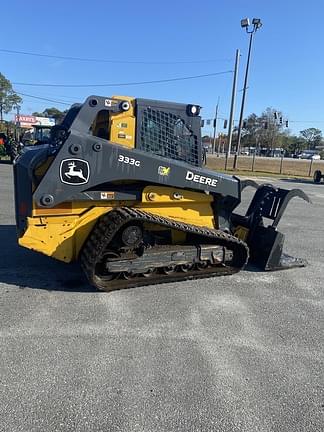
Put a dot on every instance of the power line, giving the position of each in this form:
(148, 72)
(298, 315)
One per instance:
(124, 84)
(74, 99)
(44, 99)
(61, 98)
(306, 121)
(96, 60)
(221, 118)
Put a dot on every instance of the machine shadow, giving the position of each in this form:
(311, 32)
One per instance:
(296, 180)
(252, 268)
(28, 269)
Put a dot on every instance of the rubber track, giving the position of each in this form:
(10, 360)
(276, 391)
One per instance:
(109, 224)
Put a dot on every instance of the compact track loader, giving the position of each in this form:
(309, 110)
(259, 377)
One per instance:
(120, 187)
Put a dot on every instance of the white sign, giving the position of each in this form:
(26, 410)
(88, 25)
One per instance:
(27, 121)
(45, 121)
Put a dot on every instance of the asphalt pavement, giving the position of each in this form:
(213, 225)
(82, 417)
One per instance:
(238, 353)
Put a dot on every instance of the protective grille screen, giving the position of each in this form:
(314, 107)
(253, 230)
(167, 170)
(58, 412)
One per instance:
(165, 134)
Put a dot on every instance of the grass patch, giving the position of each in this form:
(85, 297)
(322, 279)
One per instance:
(269, 167)
(246, 173)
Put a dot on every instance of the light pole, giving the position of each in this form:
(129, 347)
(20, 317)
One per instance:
(245, 23)
(17, 125)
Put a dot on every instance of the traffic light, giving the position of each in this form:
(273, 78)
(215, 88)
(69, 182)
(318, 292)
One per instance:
(214, 123)
(244, 124)
(202, 123)
(225, 124)
(275, 114)
(266, 125)
(287, 124)
(280, 120)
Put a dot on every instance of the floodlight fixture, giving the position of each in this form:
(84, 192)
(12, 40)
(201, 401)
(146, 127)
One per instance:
(245, 22)
(257, 23)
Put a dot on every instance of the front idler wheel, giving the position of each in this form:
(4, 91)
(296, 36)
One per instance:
(102, 266)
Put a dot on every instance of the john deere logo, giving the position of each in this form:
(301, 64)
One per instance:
(164, 171)
(74, 171)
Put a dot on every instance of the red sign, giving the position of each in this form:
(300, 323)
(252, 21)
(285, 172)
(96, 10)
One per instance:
(25, 119)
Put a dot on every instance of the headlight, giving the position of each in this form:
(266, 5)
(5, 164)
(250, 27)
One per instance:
(193, 110)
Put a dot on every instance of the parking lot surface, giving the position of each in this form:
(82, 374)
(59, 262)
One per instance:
(238, 353)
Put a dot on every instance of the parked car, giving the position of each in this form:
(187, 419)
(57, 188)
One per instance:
(306, 155)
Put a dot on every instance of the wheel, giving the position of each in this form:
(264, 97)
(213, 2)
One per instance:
(150, 272)
(168, 270)
(186, 267)
(317, 176)
(202, 265)
(132, 235)
(128, 275)
(101, 267)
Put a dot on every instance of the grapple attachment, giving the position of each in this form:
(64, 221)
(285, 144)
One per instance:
(265, 242)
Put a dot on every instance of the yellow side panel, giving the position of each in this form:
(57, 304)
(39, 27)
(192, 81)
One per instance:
(72, 207)
(60, 232)
(178, 204)
(122, 125)
(60, 237)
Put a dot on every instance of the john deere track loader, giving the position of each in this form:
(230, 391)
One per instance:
(120, 187)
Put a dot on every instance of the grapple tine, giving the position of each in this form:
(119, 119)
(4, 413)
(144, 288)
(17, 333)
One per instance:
(288, 196)
(265, 242)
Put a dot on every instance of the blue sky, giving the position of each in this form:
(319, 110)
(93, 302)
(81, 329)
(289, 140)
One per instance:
(286, 67)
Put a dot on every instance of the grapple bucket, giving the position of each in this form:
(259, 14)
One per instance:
(265, 242)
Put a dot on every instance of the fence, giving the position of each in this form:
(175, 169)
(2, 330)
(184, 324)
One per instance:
(271, 165)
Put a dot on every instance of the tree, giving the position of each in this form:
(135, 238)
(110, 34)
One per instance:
(271, 133)
(293, 144)
(51, 112)
(312, 136)
(251, 125)
(8, 98)
(262, 131)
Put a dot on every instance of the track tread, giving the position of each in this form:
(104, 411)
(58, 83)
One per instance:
(109, 224)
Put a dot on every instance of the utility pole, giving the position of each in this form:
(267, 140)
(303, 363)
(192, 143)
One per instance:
(17, 125)
(215, 127)
(230, 127)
